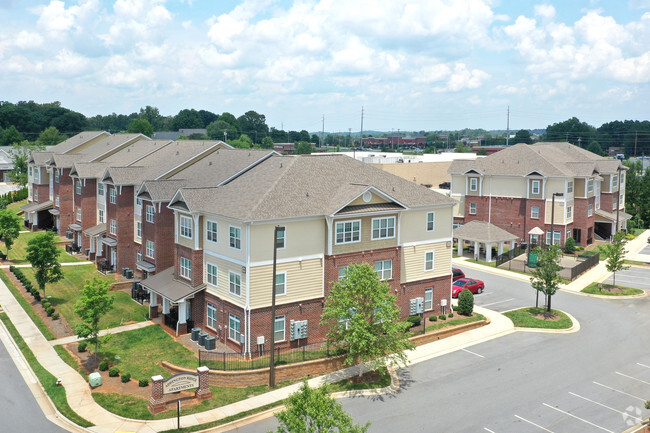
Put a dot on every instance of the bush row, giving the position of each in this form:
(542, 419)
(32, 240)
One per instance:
(29, 288)
(12, 196)
(114, 371)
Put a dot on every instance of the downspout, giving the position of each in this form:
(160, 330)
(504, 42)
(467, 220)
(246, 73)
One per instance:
(247, 309)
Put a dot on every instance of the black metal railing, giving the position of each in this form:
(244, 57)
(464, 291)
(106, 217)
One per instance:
(105, 267)
(507, 256)
(138, 293)
(585, 265)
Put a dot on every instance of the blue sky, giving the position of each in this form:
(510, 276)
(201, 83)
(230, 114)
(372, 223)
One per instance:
(412, 65)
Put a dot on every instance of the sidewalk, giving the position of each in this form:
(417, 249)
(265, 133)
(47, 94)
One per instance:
(116, 330)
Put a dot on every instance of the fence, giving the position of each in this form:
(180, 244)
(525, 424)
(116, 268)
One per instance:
(583, 266)
(506, 257)
(290, 355)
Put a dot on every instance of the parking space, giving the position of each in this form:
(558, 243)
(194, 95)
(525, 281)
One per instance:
(635, 277)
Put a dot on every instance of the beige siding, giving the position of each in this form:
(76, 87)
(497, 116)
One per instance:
(189, 243)
(560, 212)
(555, 185)
(302, 238)
(579, 188)
(478, 185)
(414, 225)
(413, 261)
(423, 173)
(304, 281)
(530, 187)
(505, 186)
(459, 209)
(373, 200)
(458, 184)
(366, 242)
(222, 246)
(224, 267)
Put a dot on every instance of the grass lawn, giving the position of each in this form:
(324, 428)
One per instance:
(439, 324)
(525, 318)
(15, 207)
(637, 232)
(142, 351)
(492, 264)
(18, 251)
(69, 359)
(56, 393)
(625, 291)
(66, 292)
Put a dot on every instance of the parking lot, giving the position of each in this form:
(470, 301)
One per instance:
(635, 277)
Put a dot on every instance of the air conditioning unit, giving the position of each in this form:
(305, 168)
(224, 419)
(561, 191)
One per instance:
(260, 340)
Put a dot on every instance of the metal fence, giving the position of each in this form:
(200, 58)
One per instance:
(585, 265)
(261, 359)
(506, 257)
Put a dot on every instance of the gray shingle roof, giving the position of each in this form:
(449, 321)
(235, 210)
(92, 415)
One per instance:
(483, 231)
(72, 142)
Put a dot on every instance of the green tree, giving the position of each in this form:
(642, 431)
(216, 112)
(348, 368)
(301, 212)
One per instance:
(94, 303)
(522, 136)
(570, 246)
(140, 126)
(303, 148)
(594, 147)
(50, 137)
(218, 130)
(615, 254)
(573, 131)
(465, 302)
(267, 143)
(10, 225)
(20, 156)
(10, 137)
(546, 277)
(362, 318)
(43, 254)
(253, 124)
(187, 119)
(152, 115)
(312, 410)
(462, 148)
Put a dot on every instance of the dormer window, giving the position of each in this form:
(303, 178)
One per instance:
(534, 189)
(473, 184)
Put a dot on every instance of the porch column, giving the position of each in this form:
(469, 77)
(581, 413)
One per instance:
(460, 247)
(512, 245)
(181, 325)
(153, 305)
(488, 252)
(165, 306)
(500, 250)
(477, 250)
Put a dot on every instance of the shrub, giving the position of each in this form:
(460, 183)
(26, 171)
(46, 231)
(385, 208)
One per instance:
(103, 366)
(126, 377)
(45, 303)
(465, 303)
(50, 311)
(113, 372)
(450, 315)
(36, 294)
(413, 321)
(442, 317)
(143, 382)
(433, 318)
(55, 316)
(570, 246)
(82, 346)
(12, 268)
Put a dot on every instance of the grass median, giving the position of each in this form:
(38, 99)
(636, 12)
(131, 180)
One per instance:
(609, 290)
(537, 317)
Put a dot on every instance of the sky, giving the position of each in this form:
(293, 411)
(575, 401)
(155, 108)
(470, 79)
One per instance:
(409, 65)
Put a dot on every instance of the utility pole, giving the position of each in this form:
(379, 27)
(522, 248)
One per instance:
(322, 134)
(636, 136)
(361, 140)
(579, 141)
(349, 137)
(508, 128)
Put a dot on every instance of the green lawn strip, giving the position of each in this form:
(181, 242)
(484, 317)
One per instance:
(65, 293)
(18, 252)
(71, 361)
(637, 232)
(594, 290)
(432, 326)
(142, 351)
(635, 262)
(15, 207)
(56, 393)
(523, 318)
(484, 263)
(383, 381)
(28, 308)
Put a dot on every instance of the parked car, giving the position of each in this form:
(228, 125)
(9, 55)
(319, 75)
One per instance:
(457, 274)
(474, 286)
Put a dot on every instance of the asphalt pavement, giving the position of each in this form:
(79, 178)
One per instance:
(635, 277)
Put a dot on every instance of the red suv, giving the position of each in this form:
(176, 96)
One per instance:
(457, 274)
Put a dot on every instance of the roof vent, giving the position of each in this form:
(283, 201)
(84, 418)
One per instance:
(280, 165)
(177, 152)
(249, 154)
(307, 194)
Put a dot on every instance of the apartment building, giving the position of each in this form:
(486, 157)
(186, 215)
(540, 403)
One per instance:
(524, 186)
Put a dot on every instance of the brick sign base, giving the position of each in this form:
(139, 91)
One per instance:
(157, 403)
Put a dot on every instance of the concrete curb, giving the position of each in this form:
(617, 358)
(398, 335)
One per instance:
(638, 427)
(591, 295)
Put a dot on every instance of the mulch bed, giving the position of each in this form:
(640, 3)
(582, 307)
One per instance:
(547, 317)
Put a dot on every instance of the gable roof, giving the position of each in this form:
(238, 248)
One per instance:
(73, 142)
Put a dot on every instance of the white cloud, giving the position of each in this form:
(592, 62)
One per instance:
(545, 11)
(119, 71)
(28, 40)
(67, 63)
(55, 18)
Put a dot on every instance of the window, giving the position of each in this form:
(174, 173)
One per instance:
(186, 226)
(211, 231)
(279, 334)
(281, 283)
(113, 227)
(281, 238)
(473, 184)
(348, 232)
(56, 176)
(342, 271)
(186, 267)
(568, 234)
(569, 187)
(622, 178)
(35, 195)
(383, 228)
(112, 195)
(138, 206)
(556, 234)
(235, 237)
(138, 229)
(211, 274)
(431, 221)
(235, 284)
(150, 211)
(78, 187)
(30, 170)
(78, 214)
(428, 261)
(384, 269)
(212, 316)
(151, 249)
(614, 203)
(100, 215)
(100, 188)
(428, 299)
(590, 210)
(37, 175)
(535, 187)
(614, 181)
(569, 211)
(590, 186)
(234, 328)
(56, 201)
(534, 212)
(138, 256)
(472, 208)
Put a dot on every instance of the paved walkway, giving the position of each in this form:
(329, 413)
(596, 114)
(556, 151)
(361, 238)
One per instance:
(116, 330)
(29, 265)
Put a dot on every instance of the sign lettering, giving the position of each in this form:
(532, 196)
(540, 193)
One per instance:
(180, 382)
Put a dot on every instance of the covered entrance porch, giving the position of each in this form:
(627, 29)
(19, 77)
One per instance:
(482, 237)
(605, 223)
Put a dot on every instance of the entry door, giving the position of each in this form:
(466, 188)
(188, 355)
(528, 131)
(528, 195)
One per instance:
(576, 235)
(113, 258)
(79, 239)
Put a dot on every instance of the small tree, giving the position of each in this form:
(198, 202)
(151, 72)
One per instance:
(546, 277)
(615, 254)
(312, 410)
(362, 318)
(93, 304)
(570, 246)
(43, 254)
(20, 156)
(9, 228)
(267, 143)
(465, 302)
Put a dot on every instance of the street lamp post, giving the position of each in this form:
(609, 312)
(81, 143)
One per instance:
(276, 231)
(555, 194)
(618, 196)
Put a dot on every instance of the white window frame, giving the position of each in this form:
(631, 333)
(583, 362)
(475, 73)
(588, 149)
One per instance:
(234, 332)
(431, 221)
(212, 235)
(138, 256)
(590, 186)
(353, 233)
(557, 235)
(185, 226)
(57, 200)
(185, 268)
(428, 299)
(212, 274)
(150, 213)
(569, 187)
(282, 237)
(56, 176)
(100, 189)
(138, 206)
(614, 181)
(283, 285)
(472, 208)
(379, 232)
(590, 210)
(100, 215)
(138, 229)
(283, 332)
(234, 288)
(534, 214)
(614, 203)
(429, 264)
(569, 211)
(150, 249)
(384, 272)
(535, 187)
(35, 194)
(342, 271)
(37, 175)
(236, 245)
(112, 227)
(473, 184)
(112, 195)
(79, 214)
(211, 316)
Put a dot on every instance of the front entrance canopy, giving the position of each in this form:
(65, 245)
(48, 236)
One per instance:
(75, 227)
(605, 216)
(483, 232)
(165, 285)
(99, 229)
(35, 207)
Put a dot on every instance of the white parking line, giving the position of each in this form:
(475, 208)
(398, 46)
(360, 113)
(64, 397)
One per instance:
(619, 391)
(487, 429)
(606, 407)
(633, 378)
(532, 423)
(578, 418)
(642, 365)
(473, 353)
(498, 302)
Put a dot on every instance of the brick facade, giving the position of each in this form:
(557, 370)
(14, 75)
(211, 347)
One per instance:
(161, 232)
(582, 221)
(88, 203)
(64, 188)
(122, 213)
(196, 257)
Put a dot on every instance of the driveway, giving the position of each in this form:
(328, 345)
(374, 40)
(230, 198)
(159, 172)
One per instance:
(635, 277)
(501, 294)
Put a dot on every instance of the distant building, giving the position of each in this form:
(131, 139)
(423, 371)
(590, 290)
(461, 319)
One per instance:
(173, 135)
